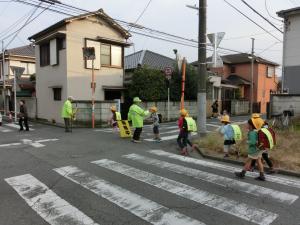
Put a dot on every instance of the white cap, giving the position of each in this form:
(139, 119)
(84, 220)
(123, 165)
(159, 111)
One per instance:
(71, 98)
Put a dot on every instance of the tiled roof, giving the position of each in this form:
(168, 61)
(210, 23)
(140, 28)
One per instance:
(151, 59)
(237, 80)
(239, 59)
(27, 50)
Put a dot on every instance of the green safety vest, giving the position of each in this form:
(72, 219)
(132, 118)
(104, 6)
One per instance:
(118, 116)
(191, 124)
(237, 133)
(269, 136)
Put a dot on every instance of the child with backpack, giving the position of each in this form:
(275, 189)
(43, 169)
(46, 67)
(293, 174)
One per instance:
(254, 153)
(155, 122)
(186, 125)
(228, 132)
(115, 117)
(266, 142)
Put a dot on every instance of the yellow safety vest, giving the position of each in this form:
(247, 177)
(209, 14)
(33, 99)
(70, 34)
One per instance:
(237, 133)
(118, 116)
(191, 123)
(269, 136)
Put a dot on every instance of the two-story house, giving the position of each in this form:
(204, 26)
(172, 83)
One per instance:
(291, 50)
(61, 69)
(20, 57)
(236, 75)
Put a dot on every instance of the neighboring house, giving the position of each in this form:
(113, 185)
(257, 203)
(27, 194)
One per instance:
(62, 71)
(291, 50)
(146, 58)
(23, 58)
(236, 79)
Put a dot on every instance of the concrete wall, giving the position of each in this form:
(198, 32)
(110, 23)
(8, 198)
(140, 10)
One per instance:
(279, 103)
(79, 78)
(240, 107)
(47, 77)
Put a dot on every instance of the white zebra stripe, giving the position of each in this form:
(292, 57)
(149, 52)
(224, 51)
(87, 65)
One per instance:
(46, 203)
(256, 190)
(241, 210)
(146, 209)
(226, 168)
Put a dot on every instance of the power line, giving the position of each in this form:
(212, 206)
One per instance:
(251, 20)
(267, 9)
(141, 29)
(142, 13)
(268, 21)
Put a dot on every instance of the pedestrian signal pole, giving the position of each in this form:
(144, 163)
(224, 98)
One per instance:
(183, 83)
(89, 55)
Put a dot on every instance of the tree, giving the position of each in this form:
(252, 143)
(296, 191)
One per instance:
(190, 84)
(148, 84)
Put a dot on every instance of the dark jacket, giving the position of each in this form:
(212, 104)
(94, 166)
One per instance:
(23, 111)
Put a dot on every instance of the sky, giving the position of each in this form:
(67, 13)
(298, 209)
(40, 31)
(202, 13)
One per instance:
(171, 16)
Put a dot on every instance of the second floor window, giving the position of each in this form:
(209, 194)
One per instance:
(111, 55)
(45, 54)
(270, 71)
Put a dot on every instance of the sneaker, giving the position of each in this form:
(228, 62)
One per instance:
(239, 174)
(158, 140)
(260, 178)
(136, 141)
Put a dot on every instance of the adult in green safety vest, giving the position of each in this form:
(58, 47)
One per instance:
(67, 114)
(116, 116)
(136, 114)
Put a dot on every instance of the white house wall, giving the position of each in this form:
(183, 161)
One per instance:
(46, 78)
(79, 78)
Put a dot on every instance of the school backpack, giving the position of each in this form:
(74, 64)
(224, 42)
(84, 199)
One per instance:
(237, 133)
(266, 138)
(191, 124)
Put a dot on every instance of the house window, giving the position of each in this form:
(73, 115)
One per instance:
(111, 55)
(232, 69)
(45, 54)
(105, 55)
(270, 71)
(57, 94)
(61, 43)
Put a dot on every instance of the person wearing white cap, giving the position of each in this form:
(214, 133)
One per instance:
(67, 113)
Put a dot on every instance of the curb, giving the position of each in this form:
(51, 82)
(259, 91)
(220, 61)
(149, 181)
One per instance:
(239, 163)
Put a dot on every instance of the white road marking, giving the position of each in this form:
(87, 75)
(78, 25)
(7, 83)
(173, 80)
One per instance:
(226, 168)
(13, 125)
(46, 140)
(145, 209)
(46, 203)
(212, 125)
(4, 130)
(10, 144)
(241, 210)
(167, 138)
(240, 186)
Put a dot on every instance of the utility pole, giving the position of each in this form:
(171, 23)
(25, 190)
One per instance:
(201, 97)
(252, 75)
(3, 77)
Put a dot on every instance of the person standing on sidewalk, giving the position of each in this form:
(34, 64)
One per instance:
(215, 109)
(136, 114)
(23, 116)
(67, 114)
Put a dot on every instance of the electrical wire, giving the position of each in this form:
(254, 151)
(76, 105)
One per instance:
(275, 43)
(142, 13)
(142, 30)
(28, 21)
(239, 11)
(267, 9)
(268, 21)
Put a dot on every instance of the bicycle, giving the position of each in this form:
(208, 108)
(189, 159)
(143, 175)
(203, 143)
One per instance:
(283, 120)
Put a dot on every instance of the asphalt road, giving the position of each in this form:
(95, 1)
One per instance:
(94, 177)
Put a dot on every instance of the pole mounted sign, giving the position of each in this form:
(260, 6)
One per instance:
(215, 39)
(89, 53)
(168, 72)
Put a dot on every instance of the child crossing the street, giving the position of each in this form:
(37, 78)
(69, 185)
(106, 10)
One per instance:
(155, 122)
(115, 117)
(228, 132)
(186, 125)
(253, 152)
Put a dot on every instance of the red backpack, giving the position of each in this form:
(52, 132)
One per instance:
(263, 141)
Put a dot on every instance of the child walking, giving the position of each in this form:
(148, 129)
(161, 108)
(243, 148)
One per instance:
(253, 153)
(228, 133)
(155, 123)
(115, 117)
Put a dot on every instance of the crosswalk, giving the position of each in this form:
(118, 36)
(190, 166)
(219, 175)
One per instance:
(12, 127)
(143, 168)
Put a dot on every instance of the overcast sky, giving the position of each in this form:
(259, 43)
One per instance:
(174, 17)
